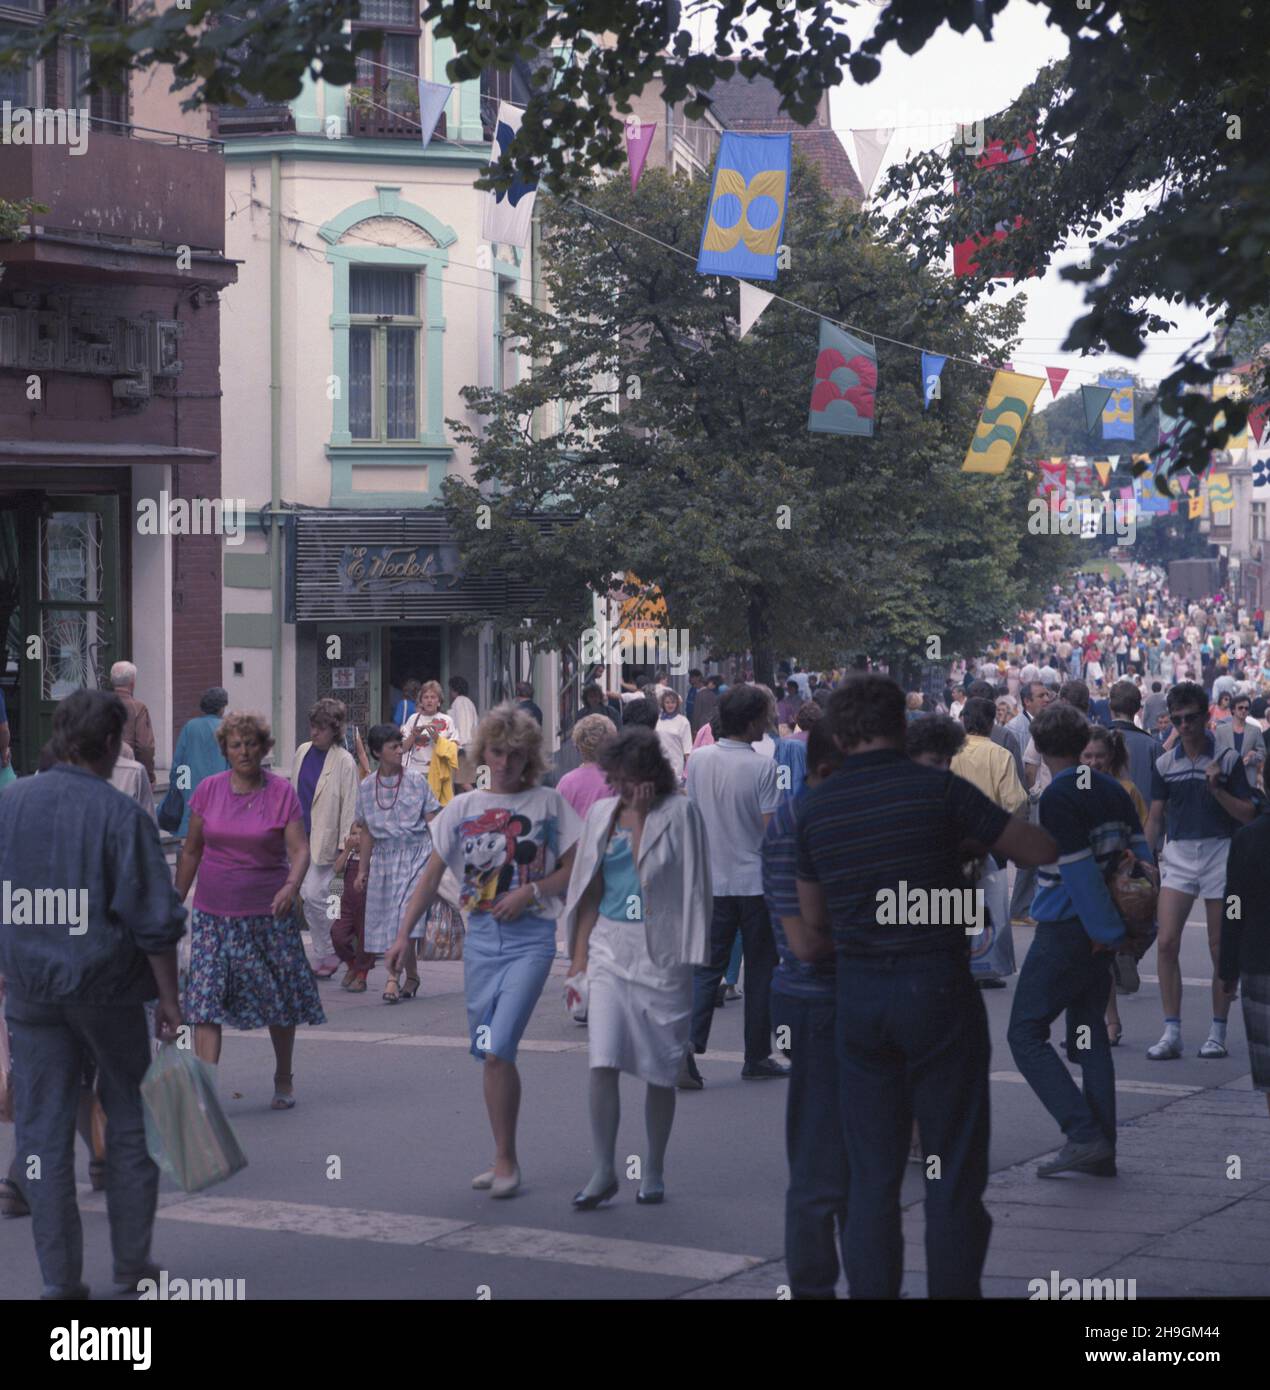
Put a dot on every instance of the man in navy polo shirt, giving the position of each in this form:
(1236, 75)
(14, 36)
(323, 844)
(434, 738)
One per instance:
(1200, 794)
(912, 1032)
(803, 1003)
(1077, 929)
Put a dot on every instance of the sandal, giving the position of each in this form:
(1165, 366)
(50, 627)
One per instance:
(1114, 1033)
(410, 988)
(392, 995)
(281, 1100)
(97, 1173)
(12, 1202)
(357, 985)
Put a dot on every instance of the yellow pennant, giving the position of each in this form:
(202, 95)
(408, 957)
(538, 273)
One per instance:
(1104, 472)
(1005, 412)
(1235, 391)
(1195, 506)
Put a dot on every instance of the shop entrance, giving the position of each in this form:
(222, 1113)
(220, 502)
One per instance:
(412, 651)
(60, 582)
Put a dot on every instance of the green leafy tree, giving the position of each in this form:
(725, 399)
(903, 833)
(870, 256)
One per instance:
(761, 534)
(1156, 114)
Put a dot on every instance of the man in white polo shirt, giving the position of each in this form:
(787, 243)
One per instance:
(736, 792)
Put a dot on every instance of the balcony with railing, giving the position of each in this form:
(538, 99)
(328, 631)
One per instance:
(107, 187)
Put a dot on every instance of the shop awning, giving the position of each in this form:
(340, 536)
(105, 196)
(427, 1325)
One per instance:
(363, 566)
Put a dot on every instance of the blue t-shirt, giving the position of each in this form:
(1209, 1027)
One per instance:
(791, 753)
(306, 784)
(803, 979)
(1095, 822)
(1191, 810)
(886, 827)
(622, 899)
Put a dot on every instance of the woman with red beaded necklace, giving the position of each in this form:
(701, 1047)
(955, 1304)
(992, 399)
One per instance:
(396, 844)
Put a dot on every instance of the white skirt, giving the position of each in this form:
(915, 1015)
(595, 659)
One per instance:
(640, 1016)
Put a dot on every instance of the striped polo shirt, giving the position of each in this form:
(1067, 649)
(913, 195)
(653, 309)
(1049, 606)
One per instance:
(1191, 811)
(883, 823)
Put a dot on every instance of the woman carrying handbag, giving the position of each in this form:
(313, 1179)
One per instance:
(637, 920)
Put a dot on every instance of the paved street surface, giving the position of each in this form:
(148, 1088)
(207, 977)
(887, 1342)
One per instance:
(394, 1096)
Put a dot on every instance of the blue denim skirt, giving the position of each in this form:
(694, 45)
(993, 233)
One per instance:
(505, 966)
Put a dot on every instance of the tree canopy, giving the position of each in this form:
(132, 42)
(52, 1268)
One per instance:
(1154, 117)
(707, 481)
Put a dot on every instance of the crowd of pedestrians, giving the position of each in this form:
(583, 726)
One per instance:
(865, 854)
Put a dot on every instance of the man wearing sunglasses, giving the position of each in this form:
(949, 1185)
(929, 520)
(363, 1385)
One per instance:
(1238, 732)
(1200, 795)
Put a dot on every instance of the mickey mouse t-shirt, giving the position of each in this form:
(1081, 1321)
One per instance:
(494, 842)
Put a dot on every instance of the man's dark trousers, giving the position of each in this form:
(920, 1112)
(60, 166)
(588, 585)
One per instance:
(1062, 971)
(816, 1200)
(50, 1044)
(913, 1042)
(749, 917)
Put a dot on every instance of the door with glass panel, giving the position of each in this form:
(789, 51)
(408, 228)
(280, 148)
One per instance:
(74, 603)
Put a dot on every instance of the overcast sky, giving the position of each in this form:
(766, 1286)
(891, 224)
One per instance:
(962, 77)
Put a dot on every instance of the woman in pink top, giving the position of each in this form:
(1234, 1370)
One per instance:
(247, 961)
(586, 785)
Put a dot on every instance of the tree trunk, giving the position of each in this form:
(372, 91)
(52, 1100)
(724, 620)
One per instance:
(762, 652)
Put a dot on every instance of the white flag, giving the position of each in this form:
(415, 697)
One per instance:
(432, 101)
(870, 148)
(508, 213)
(753, 302)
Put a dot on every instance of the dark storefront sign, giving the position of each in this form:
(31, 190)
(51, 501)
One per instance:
(398, 569)
(382, 567)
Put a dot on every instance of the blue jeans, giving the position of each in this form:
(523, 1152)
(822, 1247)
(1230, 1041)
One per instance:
(913, 1041)
(747, 915)
(50, 1042)
(1063, 972)
(816, 1202)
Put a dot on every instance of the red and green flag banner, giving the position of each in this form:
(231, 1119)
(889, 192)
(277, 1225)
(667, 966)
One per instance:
(845, 390)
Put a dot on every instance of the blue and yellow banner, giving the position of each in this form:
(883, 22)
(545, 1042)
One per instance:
(1010, 400)
(746, 212)
(1117, 415)
(1221, 492)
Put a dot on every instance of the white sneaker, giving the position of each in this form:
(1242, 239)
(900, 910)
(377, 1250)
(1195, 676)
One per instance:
(1212, 1048)
(1165, 1050)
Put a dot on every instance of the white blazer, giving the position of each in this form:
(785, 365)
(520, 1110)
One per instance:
(674, 878)
(334, 801)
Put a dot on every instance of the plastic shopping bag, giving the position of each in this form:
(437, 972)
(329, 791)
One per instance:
(187, 1133)
(6, 1079)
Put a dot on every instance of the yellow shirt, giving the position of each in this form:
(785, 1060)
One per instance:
(990, 767)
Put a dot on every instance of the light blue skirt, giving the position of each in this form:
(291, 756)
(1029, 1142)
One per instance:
(505, 966)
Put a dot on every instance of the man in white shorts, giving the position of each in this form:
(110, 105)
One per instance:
(1200, 794)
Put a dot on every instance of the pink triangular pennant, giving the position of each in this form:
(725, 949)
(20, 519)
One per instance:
(1184, 482)
(1056, 376)
(1257, 420)
(639, 140)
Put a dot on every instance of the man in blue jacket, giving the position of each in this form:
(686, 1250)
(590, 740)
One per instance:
(1078, 930)
(88, 933)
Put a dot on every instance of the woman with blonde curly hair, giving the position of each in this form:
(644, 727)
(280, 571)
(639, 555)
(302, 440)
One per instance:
(247, 845)
(511, 849)
(586, 785)
(420, 732)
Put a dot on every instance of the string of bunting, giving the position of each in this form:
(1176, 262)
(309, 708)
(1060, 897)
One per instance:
(742, 239)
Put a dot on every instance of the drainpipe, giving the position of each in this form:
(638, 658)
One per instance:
(275, 433)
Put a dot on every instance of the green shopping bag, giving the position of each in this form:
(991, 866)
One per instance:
(187, 1133)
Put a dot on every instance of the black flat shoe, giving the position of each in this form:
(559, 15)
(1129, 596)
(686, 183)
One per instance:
(583, 1202)
(650, 1199)
(766, 1070)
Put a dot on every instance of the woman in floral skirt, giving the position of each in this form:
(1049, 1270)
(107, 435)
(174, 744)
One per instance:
(247, 845)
